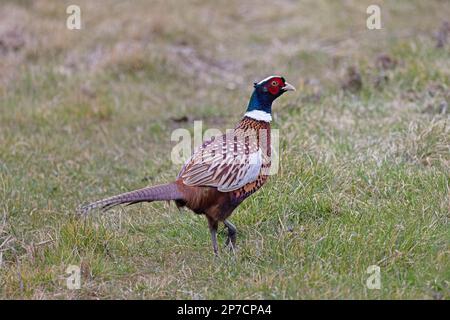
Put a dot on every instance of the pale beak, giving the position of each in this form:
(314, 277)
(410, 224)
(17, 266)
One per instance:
(288, 87)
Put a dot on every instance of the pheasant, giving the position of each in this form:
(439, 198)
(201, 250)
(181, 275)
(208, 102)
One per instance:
(223, 171)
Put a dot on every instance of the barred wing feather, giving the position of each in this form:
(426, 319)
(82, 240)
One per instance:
(227, 163)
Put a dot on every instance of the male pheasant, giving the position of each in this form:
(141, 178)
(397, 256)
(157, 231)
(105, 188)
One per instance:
(223, 171)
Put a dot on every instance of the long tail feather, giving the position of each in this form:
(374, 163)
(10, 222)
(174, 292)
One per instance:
(155, 193)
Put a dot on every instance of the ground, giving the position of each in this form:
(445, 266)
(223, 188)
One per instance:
(364, 145)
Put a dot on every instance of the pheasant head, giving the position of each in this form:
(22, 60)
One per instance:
(264, 94)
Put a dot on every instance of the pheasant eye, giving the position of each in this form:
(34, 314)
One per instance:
(274, 83)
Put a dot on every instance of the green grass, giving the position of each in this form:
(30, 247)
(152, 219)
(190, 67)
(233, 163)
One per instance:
(363, 180)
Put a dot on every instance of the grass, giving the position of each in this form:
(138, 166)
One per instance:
(363, 179)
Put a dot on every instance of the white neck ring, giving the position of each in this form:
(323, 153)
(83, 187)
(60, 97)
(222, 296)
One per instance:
(259, 115)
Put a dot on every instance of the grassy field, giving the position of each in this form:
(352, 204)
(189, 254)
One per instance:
(365, 148)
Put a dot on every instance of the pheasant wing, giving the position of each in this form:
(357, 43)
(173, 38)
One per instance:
(228, 162)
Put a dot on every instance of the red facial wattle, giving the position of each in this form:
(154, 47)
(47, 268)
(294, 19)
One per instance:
(274, 85)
